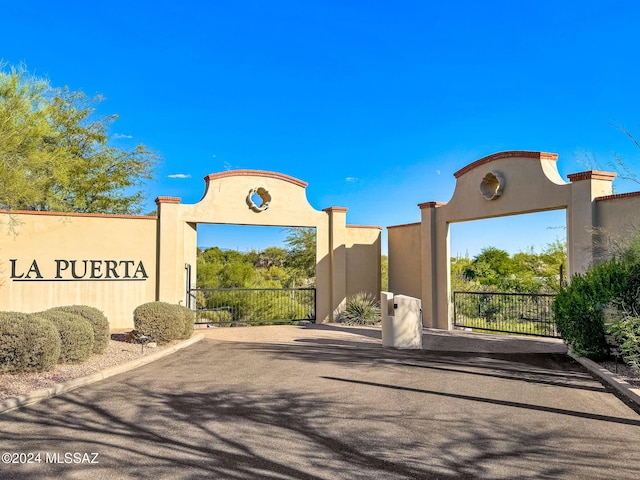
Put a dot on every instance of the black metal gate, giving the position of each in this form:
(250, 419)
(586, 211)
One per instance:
(252, 306)
(516, 313)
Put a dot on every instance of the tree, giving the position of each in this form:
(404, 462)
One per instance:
(384, 273)
(524, 272)
(618, 163)
(271, 257)
(55, 155)
(490, 267)
(302, 250)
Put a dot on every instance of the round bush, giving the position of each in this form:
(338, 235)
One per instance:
(27, 344)
(76, 335)
(160, 321)
(188, 322)
(98, 321)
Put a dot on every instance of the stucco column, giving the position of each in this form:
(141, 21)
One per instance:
(337, 256)
(169, 242)
(434, 277)
(323, 273)
(581, 217)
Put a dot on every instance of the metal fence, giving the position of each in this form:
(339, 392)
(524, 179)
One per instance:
(252, 306)
(517, 313)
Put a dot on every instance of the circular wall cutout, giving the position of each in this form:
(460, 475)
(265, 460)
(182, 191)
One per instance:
(492, 186)
(258, 199)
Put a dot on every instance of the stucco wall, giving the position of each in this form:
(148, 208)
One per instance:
(617, 218)
(105, 261)
(363, 246)
(405, 260)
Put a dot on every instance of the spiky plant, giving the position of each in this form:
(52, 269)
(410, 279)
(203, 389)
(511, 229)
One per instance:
(361, 309)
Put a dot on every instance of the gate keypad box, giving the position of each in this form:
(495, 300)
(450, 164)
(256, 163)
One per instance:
(401, 322)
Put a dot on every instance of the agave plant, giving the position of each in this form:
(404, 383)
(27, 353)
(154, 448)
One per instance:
(361, 309)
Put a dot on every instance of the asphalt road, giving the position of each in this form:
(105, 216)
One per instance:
(323, 404)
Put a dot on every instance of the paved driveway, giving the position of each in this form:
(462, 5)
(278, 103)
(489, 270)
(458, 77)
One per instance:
(329, 403)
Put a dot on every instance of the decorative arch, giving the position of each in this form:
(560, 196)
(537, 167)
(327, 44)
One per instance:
(252, 197)
(503, 184)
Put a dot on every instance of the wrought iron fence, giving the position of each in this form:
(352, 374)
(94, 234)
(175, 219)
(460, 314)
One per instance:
(252, 306)
(523, 314)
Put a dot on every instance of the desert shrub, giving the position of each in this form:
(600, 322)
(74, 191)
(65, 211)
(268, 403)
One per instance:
(98, 322)
(188, 322)
(160, 321)
(361, 309)
(222, 318)
(27, 344)
(626, 334)
(76, 335)
(579, 308)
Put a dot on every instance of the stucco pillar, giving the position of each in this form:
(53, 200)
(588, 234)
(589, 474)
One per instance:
(170, 265)
(323, 273)
(581, 217)
(434, 275)
(337, 256)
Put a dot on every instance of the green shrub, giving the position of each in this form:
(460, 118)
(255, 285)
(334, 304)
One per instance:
(361, 309)
(221, 318)
(626, 334)
(76, 335)
(160, 321)
(98, 322)
(579, 315)
(27, 344)
(188, 322)
(579, 308)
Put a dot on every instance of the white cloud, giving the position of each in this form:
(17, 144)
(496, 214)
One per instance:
(351, 179)
(179, 175)
(121, 135)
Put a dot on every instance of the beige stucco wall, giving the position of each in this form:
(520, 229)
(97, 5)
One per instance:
(404, 243)
(364, 256)
(617, 218)
(52, 240)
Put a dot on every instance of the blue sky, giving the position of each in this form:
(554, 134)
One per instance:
(374, 104)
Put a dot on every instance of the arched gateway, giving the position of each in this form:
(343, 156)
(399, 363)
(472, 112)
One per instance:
(117, 262)
(503, 184)
(255, 197)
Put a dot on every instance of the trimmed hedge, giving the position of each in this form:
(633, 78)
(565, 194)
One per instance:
(27, 343)
(188, 322)
(76, 335)
(163, 322)
(98, 321)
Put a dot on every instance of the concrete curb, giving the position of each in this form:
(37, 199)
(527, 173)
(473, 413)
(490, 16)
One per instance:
(34, 397)
(609, 378)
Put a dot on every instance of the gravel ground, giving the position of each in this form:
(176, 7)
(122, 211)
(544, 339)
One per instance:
(623, 371)
(118, 352)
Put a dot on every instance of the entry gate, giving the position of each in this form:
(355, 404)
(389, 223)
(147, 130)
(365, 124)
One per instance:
(252, 306)
(516, 313)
